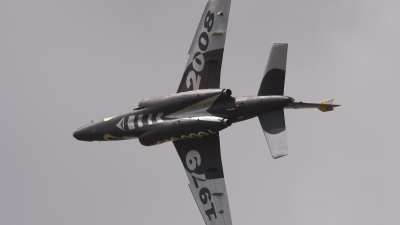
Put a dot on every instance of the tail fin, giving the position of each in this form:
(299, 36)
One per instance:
(273, 125)
(324, 106)
(273, 82)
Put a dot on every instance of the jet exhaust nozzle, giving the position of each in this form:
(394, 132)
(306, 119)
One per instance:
(227, 122)
(227, 92)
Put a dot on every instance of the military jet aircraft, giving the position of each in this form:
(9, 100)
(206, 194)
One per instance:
(193, 117)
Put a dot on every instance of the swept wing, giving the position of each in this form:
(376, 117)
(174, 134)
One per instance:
(203, 69)
(201, 158)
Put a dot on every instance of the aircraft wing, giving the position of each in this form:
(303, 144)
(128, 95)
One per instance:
(201, 158)
(203, 69)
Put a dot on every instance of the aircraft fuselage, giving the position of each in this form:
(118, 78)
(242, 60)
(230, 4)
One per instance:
(193, 114)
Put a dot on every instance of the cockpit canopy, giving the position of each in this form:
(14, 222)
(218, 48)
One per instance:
(108, 118)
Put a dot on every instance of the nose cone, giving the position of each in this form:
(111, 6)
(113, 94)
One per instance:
(83, 134)
(77, 135)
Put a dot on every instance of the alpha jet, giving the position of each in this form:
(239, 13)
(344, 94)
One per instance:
(193, 117)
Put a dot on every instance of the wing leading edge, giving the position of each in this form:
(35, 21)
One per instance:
(203, 69)
(201, 158)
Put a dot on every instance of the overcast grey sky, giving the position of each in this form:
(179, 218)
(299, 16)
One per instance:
(64, 63)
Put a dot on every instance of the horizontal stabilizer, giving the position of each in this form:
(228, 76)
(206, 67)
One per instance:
(273, 125)
(273, 82)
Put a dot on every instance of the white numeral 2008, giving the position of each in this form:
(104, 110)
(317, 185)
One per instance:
(198, 58)
(195, 80)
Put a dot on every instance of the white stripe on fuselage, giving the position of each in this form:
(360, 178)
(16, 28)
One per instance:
(139, 122)
(149, 118)
(158, 118)
(131, 122)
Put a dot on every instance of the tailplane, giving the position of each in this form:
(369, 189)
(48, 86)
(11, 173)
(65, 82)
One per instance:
(273, 82)
(274, 128)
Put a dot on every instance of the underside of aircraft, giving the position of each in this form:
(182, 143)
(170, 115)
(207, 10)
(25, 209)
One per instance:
(193, 117)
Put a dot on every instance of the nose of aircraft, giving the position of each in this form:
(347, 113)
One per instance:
(82, 134)
(77, 135)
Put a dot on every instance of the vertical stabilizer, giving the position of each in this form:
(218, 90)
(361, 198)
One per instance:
(273, 82)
